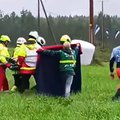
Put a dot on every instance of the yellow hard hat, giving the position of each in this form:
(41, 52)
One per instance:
(65, 38)
(4, 38)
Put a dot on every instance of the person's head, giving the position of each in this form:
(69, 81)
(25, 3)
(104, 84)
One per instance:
(21, 40)
(67, 46)
(41, 41)
(65, 38)
(30, 43)
(4, 39)
(33, 34)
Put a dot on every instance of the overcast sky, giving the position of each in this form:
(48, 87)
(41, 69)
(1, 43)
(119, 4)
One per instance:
(61, 7)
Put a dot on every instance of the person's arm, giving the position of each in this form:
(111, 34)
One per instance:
(111, 65)
(51, 52)
(3, 57)
(21, 55)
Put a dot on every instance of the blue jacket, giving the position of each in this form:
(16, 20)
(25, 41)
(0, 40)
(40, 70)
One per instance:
(115, 57)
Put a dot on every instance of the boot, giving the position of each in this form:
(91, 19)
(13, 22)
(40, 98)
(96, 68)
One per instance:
(117, 95)
(17, 79)
(14, 88)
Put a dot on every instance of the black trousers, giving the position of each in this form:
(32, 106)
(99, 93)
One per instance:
(17, 79)
(24, 82)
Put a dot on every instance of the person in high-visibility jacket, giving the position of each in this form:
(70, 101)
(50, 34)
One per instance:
(40, 41)
(66, 64)
(27, 59)
(17, 75)
(4, 54)
(19, 42)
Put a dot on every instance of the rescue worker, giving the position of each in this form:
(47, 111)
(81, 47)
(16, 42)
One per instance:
(4, 54)
(66, 64)
(27, 59)
(17, 75)
(40, 41)
(115, 58)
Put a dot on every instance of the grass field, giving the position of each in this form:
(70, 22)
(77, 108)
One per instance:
(93, 103)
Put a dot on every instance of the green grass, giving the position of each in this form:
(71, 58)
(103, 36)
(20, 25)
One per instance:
(93, 103)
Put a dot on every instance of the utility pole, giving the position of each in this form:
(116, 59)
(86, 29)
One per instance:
(91, 23)
(38, 16)
(102, 26)
(51, 31)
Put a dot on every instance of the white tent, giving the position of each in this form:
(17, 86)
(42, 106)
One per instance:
(88, 50)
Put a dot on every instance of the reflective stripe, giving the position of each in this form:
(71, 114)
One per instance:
(31, 57)
(31, 72)
(27, 68)
(68, 61)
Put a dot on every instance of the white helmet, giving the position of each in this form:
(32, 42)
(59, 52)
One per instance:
(41, 41)
(33, 34)
(21, 40)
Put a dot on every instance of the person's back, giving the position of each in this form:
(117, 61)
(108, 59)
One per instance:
(31, 56)
(67, 59)
(115, 58)
(4, 51)
(19, 47)
(27, 59)
(16, 52)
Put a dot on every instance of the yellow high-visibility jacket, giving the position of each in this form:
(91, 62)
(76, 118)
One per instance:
(27, 59)
(4, 53)
(16, 52)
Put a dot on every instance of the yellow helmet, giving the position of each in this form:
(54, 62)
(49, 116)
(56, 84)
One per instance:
(65, 38)
(4, 38)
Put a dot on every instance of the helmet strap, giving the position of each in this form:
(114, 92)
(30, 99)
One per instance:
(32, 37)
(39, 43)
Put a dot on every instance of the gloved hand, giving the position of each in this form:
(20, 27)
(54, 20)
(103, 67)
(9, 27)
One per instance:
(10, 60)
(112, 75)
(14, 67)
(8, 65)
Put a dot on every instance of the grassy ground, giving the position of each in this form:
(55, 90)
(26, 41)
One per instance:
(93, 103)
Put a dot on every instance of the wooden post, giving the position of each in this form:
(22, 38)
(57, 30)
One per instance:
(91, 23)
(38, 16)
(102, 26)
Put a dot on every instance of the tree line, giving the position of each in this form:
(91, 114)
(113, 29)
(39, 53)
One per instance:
(77, 27)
